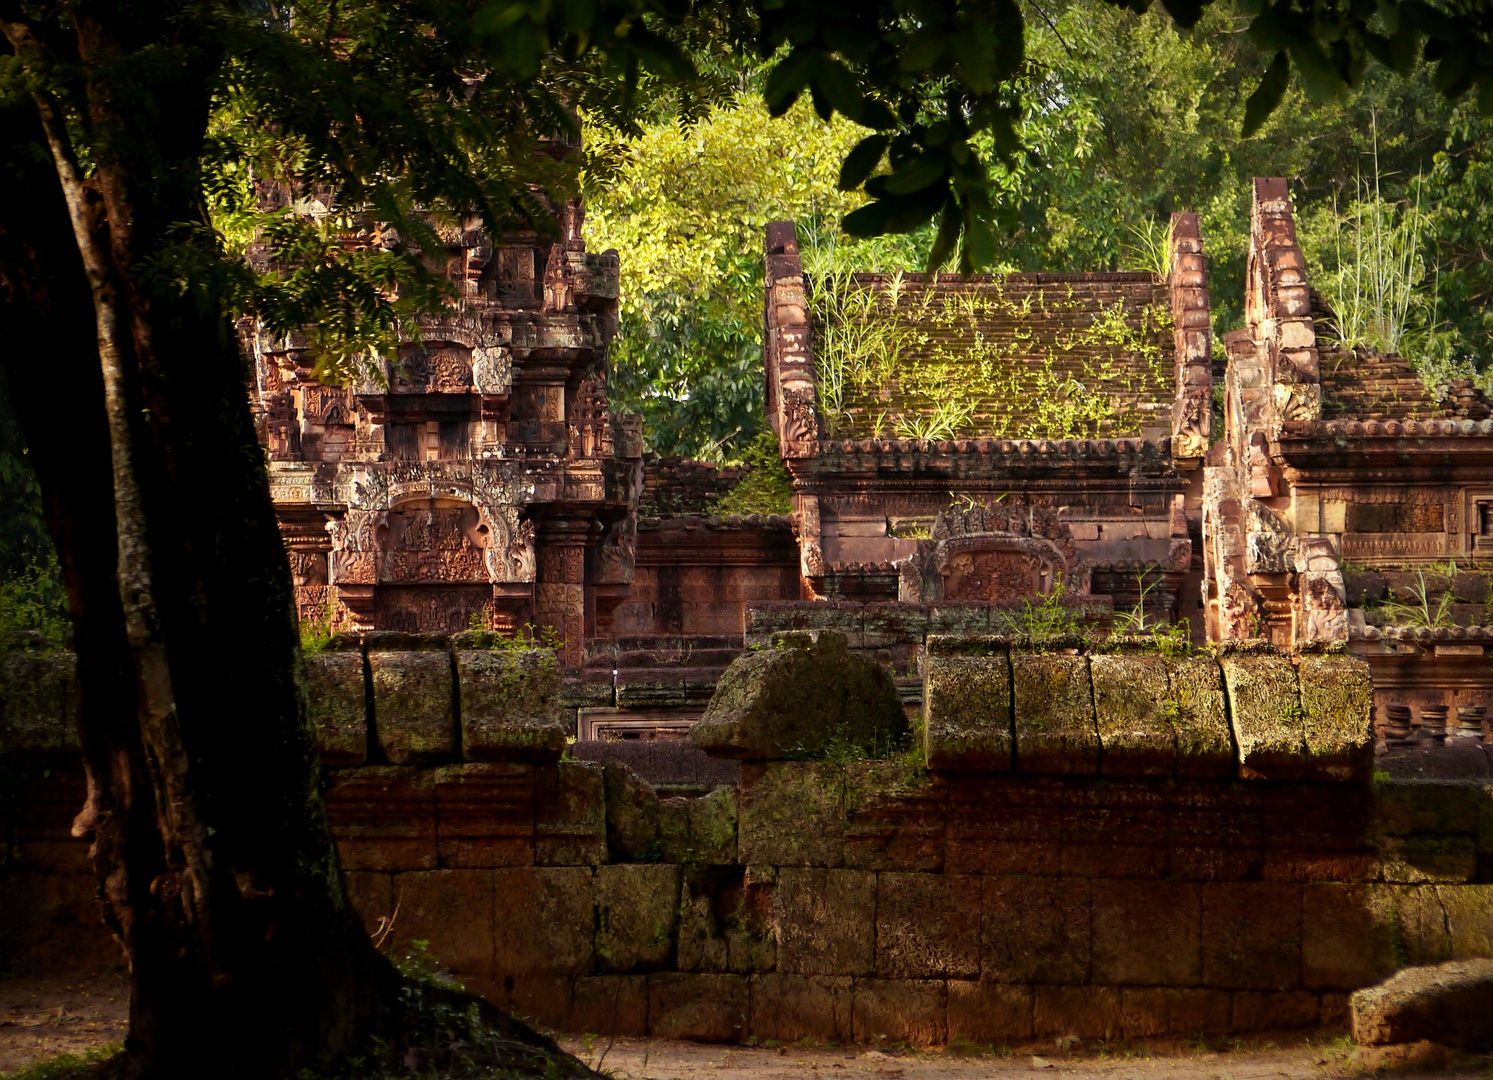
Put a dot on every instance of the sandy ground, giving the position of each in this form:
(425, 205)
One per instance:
(41, 1018)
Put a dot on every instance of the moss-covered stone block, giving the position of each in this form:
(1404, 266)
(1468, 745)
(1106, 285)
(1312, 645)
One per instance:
(544, 921)
(823, 921)
(632, 810)
(1053, 714)
(895, 817)
(1195, 705)
(339, 709)
(792, 813)
(806, 696)
(1337, 703)
(1430, 807)
(967, 705)
(637, 913)
(1135, 731)
(699, 831)
(725, 921)
(1265, 709)
(1469, 919)
(38, 703)
(413, 706)
(510, 704)
(570, 827)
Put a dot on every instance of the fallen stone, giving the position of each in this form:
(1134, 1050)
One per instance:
(1450, 1004)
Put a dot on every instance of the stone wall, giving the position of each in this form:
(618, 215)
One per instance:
(1198, 854)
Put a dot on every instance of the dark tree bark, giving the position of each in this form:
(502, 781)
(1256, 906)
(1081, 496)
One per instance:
(211, 844)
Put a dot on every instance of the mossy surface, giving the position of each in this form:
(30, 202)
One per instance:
(637, 914)
(1135, 731)
(1195, 706)
(792, 813)
(632, 810)
(699, 831)
(967, 711)
(334, 690)
(1337, 703)
(1053, 714)
(510, 703)
(1265, 710)
(413, 706)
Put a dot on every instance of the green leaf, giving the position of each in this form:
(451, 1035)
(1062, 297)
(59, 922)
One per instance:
(868, 220)
(917, 174)
(1267, 95)
(948, 236)
(861, 162)
(835, 81)
(1321, 79)
(786, 81)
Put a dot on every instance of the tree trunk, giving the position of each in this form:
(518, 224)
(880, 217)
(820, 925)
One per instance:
(211, 845)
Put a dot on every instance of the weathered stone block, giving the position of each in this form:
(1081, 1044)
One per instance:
(1085, 1012)
(610, 1006)
(1337, 700)
(900, 1010)
(894, 817)
(543, 1000)
(413, 706)
(1151, 1011)
(700, 831)
(1351, 935)
(1430, 807)
(1195, 705)
(794, 1007)
(1147, 933)
(967, 705)
(986, 1012)
(38, 703)
(807, 694)
(570, 827)
(339, 711)
(927, 926)
(1412, 859)
(632, 809)
(1450, 1004)
(510, 704)
(1053, 714)
(543, 921)
(821, 918)
(792, 814)
(383, 817)
(702, 1008)
(1217, 833)
(1276, 1010)
(1252, 935)
(725, 921)
(1130, 697)
(485, 812)
(1004, 825)
(637, 913)
(1035, 930)
(453, 911)
(1115, 829)
(1265, 707)
(1469, 919)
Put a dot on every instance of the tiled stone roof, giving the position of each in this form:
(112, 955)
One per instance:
(1362, 385)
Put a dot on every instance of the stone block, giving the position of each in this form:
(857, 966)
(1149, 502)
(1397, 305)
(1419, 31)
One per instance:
(338, 708)
(927, 926)
(1035, 930)
(806, 695)
(1004, 825)
(1450, 1004)
(1085, 1012)
(485, 814)
(453, 911)
(792, 814)
(610, 1006)
(1265, 708)
(1276, 1010)
(1337, 702)
(1147, 1012)
(986, 1012)
(1430, 807)
(632, 809)
(1217, 831)
(570, 827)
(1469, 919)
(1053, 714)
(1195, 706)
(637, 914)
(510, 704)
(539, 1000)
(1252, 935)
(1319, 832)
(699, 831)
(413, 704)
(383, 817)
(544, 921)
(967, 706)
(801, 1007)
(1115, 829)
(701, 1008)
(725, 921)
(1130, 698)
(900, 1010)
(1414, 859)
(1147, 933)
(822, 920)
(38, 703)
(894, 817)
(372, 897)
(1351, 935)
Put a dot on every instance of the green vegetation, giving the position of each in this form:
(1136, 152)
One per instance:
(767, 488)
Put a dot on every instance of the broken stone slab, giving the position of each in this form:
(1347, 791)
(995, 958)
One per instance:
(1130, 705)
(1053, 714)
(1337, 703)
(510, 704)
(806, 695)
(1265, 709)
(967, 704)
(1450, 1004)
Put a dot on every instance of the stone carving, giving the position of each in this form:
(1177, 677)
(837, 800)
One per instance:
(1323, 610)
(509, 554)
(799, 426)
(1002, 553)
(492, 369)
(355, 546)
(559, 293)
(1267, 541)
(618, 552)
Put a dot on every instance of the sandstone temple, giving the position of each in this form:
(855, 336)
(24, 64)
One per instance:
(958, 447)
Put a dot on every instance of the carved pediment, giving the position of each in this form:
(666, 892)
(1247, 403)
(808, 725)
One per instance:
(1003, 553)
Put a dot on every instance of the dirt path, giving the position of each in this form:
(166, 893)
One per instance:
(41, 1018)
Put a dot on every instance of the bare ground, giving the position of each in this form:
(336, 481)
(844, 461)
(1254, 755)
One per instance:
(43, 1017)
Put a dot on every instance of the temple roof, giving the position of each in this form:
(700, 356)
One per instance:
(1017, 356)
(1359, 384)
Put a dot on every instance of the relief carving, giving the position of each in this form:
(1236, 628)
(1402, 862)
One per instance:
(618, 552)
(1003, 553)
